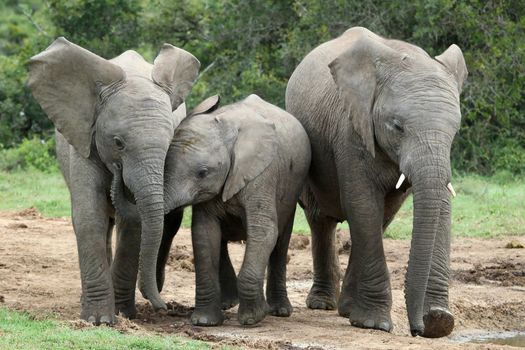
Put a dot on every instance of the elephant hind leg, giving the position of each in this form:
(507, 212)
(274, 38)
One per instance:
(325, 289)
(276, 293)
(227, 279)
(125, 266)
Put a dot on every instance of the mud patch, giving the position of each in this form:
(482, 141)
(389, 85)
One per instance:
(502, 273)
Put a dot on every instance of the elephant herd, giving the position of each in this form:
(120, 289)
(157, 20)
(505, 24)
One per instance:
(368, 121)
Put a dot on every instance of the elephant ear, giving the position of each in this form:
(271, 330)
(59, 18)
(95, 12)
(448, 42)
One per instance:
(207, 106)
(355, 74)
(175, 70)
(255, 147)
(454, 61)
(65, 79)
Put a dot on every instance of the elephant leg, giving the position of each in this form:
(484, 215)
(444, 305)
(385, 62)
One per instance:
(109, 236)
(262, 233)
(90, 215)
(325, 289)
(172, 223)
(125, 266)
(227, 279)
(366, 296)
(276, 293)
(438, 319)
(206, 241)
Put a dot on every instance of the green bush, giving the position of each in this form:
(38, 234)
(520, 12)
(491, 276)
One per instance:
(30, 154)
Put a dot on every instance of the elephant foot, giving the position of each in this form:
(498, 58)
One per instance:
(281, 307)
(251, 313)
(439, 322)
(321, 298)
(128, 310)
(99, 315)
(229, 297)
(374, 319)
(211, 316)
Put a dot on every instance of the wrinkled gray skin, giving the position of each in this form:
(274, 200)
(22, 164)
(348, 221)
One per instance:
(375, 108)
(242, 167)
(113, 115)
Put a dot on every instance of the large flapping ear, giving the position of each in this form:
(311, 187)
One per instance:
(65, 80)
(355, 74)
(175, 70)
(453, 60)
(254, 148)
(207, 106)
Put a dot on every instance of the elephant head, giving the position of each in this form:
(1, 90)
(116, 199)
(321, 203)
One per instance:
(118, 113)
(214, 154)
(405, 104)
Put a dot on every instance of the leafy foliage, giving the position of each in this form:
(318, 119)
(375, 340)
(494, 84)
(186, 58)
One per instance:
(253, 47)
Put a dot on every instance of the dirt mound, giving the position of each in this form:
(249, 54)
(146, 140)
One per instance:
(299, 242)
(181, 258)
(502, 273)
(31, 213)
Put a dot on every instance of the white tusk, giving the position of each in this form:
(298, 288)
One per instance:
(451, 189)
(400, 181)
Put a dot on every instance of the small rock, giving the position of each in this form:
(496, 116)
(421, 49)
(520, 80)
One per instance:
(2, 299)
(514, 245)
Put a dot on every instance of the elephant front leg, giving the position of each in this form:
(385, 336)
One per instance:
(261, 227)
(206, 241)
(125, 266)
(366, 296)
(91, 225)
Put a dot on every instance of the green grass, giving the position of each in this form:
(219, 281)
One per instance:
(21, 331)
(484, 207)
(45, 191)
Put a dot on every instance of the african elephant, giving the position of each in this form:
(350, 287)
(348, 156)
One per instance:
(378, 110)
(109, 115)
(242, 167)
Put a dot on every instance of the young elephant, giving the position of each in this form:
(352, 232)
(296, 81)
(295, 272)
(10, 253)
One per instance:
(242, 167)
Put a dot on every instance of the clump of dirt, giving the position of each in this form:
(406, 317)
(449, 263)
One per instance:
(176, 309)
(32, 213)
(503, 273)
(514, 244)
(2, 299)
(17, 225)
(79, 324)
(299, 242)
(182, 259)
(342, 242)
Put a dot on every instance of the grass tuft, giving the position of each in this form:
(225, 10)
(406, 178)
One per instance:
(22, 331)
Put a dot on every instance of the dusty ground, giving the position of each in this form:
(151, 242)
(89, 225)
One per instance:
(39, 274)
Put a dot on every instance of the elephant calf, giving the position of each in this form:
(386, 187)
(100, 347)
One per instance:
(242, 167)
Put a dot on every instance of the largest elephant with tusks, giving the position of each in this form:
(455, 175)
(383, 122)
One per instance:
(113, 115)
(378, 111)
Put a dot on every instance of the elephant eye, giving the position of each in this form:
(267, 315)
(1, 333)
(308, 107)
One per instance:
(202, 173)
(118, 143)
(397, 125)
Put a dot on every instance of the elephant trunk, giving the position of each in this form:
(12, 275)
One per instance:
(427, 272)
(148, 188)
(125, 209)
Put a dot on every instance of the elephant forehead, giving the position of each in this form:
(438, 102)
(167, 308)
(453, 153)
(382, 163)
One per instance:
(133, 64)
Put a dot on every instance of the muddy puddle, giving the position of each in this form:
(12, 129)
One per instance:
(516, 339)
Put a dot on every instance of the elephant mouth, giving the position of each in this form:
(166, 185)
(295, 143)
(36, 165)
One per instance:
(128, 195)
